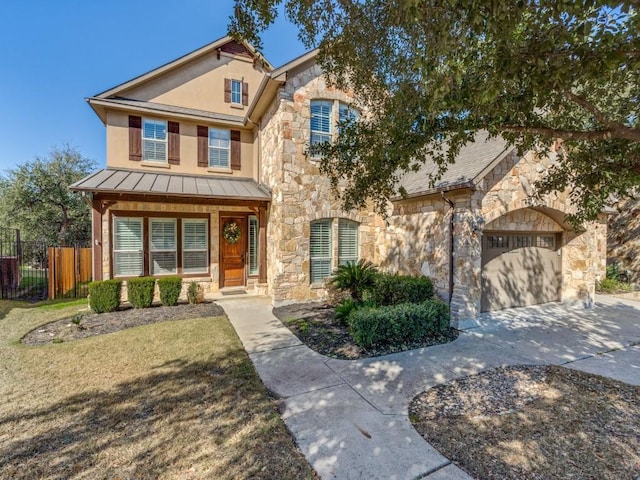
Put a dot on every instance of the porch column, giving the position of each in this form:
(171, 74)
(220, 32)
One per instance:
(96, 239)
(262, 245)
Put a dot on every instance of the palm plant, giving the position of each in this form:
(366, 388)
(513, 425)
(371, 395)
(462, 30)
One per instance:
(355, 277)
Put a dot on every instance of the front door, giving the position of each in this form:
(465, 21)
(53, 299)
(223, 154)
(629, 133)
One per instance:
(233, 245)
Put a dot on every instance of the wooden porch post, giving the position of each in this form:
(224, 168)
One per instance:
(96, 239)
(262, 245)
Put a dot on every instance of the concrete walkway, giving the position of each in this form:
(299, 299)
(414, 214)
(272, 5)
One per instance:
(350, 417)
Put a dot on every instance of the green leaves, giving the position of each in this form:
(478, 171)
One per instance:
(431, 74)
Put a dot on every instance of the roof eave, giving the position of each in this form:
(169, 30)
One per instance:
(105, 103)
(165, 194)
(433, 191)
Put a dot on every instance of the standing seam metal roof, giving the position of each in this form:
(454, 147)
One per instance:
(113, 180)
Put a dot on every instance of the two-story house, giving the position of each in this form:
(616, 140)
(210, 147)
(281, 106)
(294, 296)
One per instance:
(208, 177)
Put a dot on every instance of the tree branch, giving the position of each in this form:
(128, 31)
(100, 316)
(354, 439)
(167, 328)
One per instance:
(592, 109)
(624, 133)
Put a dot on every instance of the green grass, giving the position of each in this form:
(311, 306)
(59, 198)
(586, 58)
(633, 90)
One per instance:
(172, 400)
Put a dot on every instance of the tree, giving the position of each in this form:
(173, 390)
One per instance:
(36, 198)
(432, 73)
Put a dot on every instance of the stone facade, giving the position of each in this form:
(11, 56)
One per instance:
(417, 237)
(300, 194)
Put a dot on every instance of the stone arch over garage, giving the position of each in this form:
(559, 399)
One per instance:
(522, 258)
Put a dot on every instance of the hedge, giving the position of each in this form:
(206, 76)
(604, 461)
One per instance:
(393, 289)
(140, 291)
(170, 288)
(398, 324)
(104, 296)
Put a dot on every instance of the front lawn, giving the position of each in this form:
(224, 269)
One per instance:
(173, 400)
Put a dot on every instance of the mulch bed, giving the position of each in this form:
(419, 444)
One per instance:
(533, 423)
(314, 325)
(97, 324)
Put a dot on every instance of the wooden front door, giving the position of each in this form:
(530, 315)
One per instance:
(232, 251)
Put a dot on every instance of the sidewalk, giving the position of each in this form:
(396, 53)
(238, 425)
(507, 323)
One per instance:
(350, 417)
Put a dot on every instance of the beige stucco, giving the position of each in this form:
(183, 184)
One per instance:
(118, 148)
(200, 84)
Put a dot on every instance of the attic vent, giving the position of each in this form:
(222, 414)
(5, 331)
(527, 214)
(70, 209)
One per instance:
(235, 48)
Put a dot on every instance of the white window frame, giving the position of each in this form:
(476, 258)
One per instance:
(347, 112)
(317, 136)
(117, 252)
(155, 141)
(218, 146)
(200, 250)
(344, 224)
(315, 260)
(236, 90)
(254, 254)
(153, 250)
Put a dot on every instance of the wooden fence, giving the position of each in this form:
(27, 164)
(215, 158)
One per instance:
(69, 272)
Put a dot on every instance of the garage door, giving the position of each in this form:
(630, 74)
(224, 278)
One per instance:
(518, 269)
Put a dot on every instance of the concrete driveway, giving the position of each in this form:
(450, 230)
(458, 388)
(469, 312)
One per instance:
(350, 417)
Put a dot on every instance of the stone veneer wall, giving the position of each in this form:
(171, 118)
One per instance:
(209, 282)
(416, 239)
(300, 194)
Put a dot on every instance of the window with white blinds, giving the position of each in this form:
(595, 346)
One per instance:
(219, 147)
(127, 247)
(347, 241)
(347, 113)
(321, 120)
(236, 92)
(195, 246)
(253, 245)
(163, 255)
(154, 141)
(320, 250)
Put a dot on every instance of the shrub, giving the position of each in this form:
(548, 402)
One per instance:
(398, 324)
(393, 289)
(344, 309)
(170, 288)
(355, 278)
(104, 296)
(195, 293)
(140, 291)
(610, 285)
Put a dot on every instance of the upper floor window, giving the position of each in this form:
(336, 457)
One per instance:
(154, 140)
(219, 147)
(321, 121)
(236, 92)
(347, 113)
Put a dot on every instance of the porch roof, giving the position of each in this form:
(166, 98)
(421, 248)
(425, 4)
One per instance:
(121, 181)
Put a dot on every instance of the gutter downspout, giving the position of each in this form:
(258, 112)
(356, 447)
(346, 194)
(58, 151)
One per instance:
(451, 223)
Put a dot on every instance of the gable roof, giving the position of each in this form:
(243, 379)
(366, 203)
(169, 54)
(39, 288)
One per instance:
(473, 162)
(226, 44)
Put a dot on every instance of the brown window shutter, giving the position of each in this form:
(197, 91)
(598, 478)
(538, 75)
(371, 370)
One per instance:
(227, 90)
(235, 150)
(135, 138)
(203, 146)
(245, 93)
(174, 143)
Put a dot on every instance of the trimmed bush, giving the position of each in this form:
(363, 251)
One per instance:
(393, 289)
(140, 291)
(195, 293)
(398, 324)
(104, 296)
(170, 288)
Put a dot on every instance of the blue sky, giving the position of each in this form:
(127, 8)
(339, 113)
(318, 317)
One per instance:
(54, 54)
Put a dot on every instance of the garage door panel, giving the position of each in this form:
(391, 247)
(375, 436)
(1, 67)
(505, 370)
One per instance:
(523, 274)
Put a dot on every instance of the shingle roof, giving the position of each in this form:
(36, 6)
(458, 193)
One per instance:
(161, 107)
(113, 180)
(470, 163)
